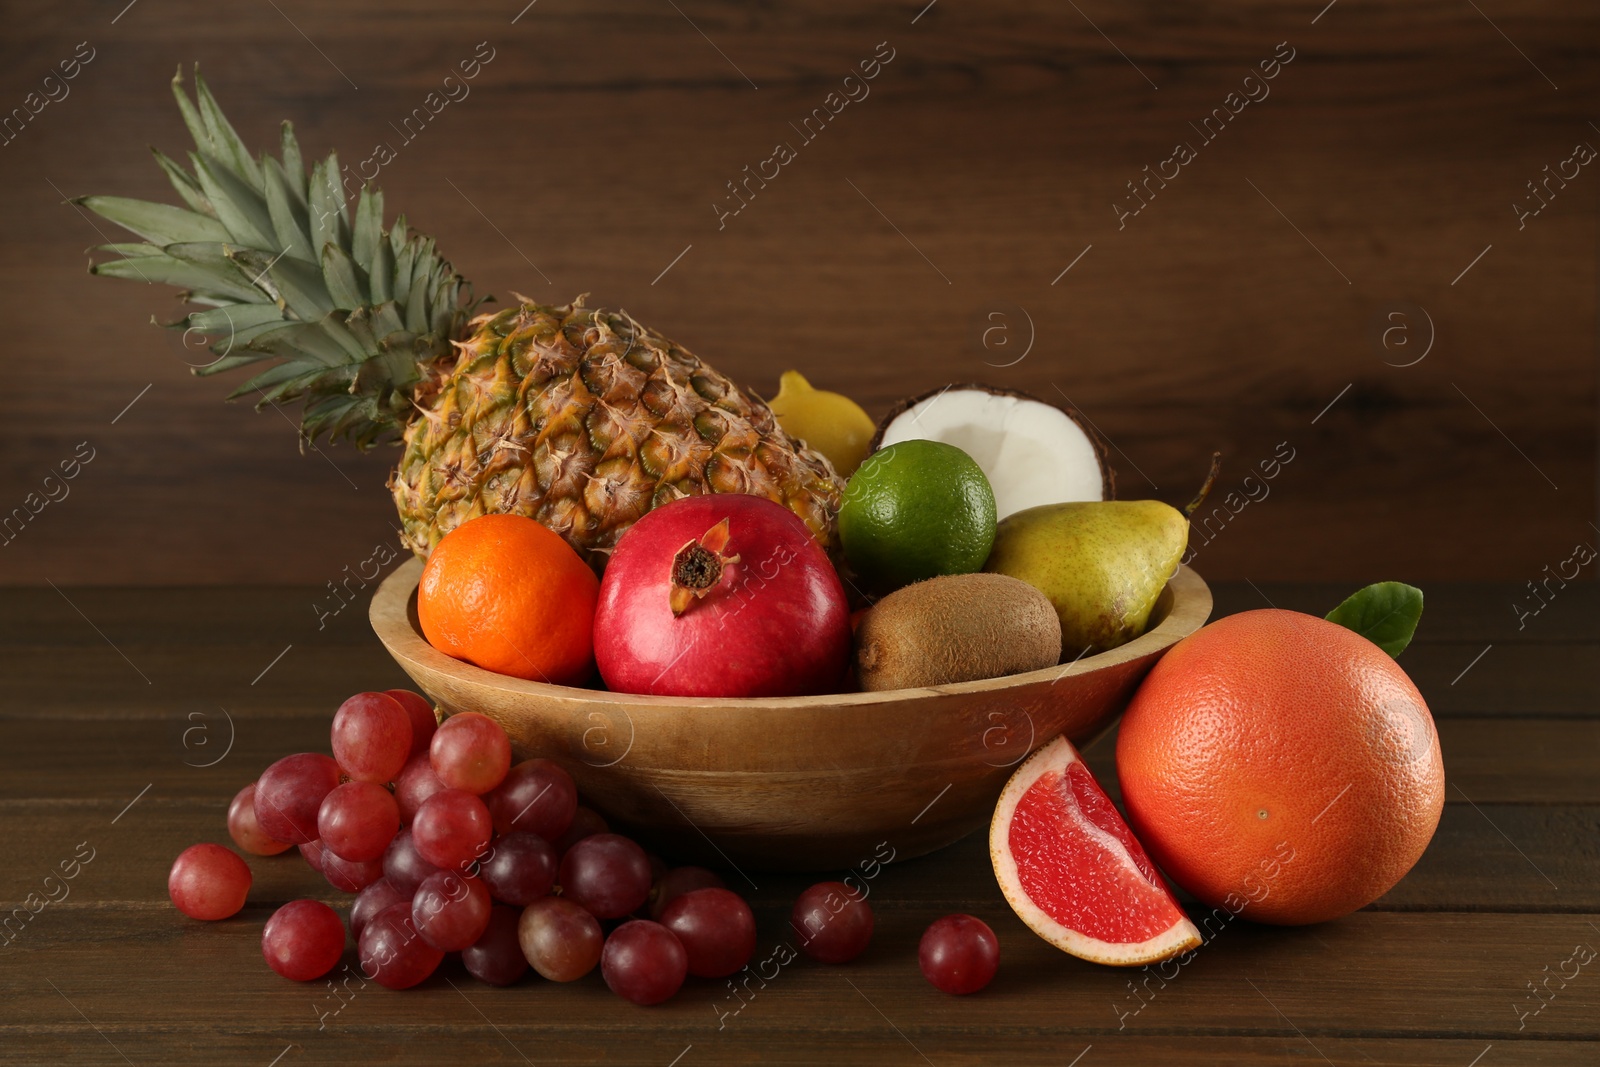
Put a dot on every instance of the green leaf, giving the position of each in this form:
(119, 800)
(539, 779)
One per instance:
(380, 272)
(241, 209)
(293, 167)
(160, 224)
(369, 226)
(326, 206)
(226, 144)
(191, 117)
(343, 278)
(1385, 613)
(182, 181)
(192, 275)
(289, 223)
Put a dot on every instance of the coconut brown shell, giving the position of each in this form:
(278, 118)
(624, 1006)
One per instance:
(956, 628)
(1108, 475)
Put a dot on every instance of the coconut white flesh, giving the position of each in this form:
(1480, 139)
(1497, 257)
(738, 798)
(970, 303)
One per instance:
(1032, 453)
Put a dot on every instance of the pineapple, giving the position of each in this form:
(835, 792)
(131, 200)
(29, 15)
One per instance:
(578, 417)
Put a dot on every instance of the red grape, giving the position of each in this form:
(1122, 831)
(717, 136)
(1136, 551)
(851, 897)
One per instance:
(833, 924)
(678, 881)
(643, 962)
(208, 882)
(403, 864)
(416, 783)
(372, 737)
(392, 954)
(716, 928)
(959, 954)
(497, 957)
(452, 829)
(312, 852)
(470, 751)
(450, 910)
(520, 869)
(352, 876)
(537, 797)
(246, 830)
(289, 793)
(423, 721)
(586, 822)
(358, 820)
(607, 874)
(373, 899)
(303, 940)
(561, 940)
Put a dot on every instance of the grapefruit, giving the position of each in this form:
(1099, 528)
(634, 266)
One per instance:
(1281, 766)
(1071, 869)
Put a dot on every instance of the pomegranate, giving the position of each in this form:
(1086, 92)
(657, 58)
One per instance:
(721, 595)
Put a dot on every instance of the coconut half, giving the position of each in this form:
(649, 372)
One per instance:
(1032, 452)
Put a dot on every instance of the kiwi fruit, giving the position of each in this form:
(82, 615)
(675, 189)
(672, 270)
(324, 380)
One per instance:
(956, 628)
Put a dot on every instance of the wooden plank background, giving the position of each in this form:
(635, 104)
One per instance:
(1229, 313)
(1433, 973)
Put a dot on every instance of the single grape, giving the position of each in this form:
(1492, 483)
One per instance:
(391, 952)
(561, 940)
(423, 721)
(208, 882)
(403, 864)
(289, 792)
(497, 957)
(358, 820)
(450, 910)
(372, 737)
(373, 899)
(470, 751)
(452, 829)
(519, 869)
(312, 852)
(246, 830)
(416, 783)
(643, 962)
(607, 874)
(678, 881)
(352, 876)
(537, 797)
(716, 928)
(834, 925)
(303, 940)
(959, 954)
(586, 822)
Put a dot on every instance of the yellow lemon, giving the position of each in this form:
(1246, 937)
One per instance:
(831, 423)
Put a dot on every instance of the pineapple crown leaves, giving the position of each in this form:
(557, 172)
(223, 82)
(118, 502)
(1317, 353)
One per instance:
(346, 315)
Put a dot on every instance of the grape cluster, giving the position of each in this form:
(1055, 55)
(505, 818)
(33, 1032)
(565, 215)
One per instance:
(452, 849)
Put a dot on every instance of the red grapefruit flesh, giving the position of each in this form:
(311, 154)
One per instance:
(1073, 871)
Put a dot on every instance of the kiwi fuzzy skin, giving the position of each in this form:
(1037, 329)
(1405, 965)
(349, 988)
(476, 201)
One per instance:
(956, 628)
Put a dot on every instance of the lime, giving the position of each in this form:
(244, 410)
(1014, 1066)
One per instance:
(915, 510)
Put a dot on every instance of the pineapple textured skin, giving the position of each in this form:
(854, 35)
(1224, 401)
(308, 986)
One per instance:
(584, 420)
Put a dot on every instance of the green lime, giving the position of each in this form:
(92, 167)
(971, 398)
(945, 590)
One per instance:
(916, 510)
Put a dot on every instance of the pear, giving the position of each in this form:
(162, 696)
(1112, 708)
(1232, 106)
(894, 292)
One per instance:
(1101, 563)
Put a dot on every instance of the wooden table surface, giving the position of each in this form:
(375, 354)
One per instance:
(135, 715)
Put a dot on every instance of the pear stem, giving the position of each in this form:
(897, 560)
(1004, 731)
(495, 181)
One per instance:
(1205, 489)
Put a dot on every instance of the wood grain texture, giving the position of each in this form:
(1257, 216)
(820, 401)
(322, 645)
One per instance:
(798, 782)
(1238, 305)
(1436, 972)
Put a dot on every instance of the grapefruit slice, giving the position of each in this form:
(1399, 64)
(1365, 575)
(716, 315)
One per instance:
(1073, 871)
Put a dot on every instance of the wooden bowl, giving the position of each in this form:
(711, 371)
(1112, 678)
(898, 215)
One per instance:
(794, 783)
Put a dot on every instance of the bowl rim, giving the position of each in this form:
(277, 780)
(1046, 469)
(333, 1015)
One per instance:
(391, 613)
